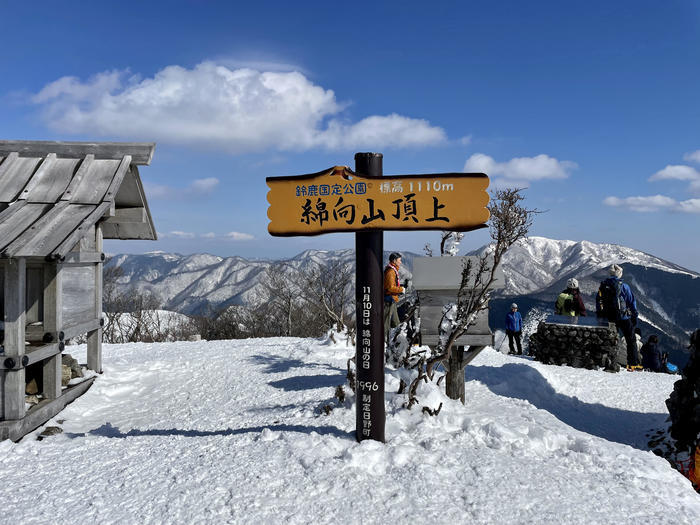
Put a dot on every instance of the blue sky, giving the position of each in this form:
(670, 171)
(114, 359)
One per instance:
(593, 106)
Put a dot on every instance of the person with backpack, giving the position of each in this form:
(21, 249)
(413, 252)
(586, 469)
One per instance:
(392, 290)
(514, 329)
(651, 355)
(570, 302)
(616, 303)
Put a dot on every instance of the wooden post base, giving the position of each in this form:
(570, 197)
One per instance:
(459, 359)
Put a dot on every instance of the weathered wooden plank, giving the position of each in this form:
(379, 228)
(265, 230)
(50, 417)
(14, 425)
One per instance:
(83, 258)
(78, 177)
(2, 294)
(17, 219)
(116, 183)
(445, 273)
(77, 329)
(14, 320)
(53, 322)
(35, 294)
(42, 412)
(78, 295)
(7, 163)
(14, 176)
(87, 241)
(51, 187)
(131, 195)
(83, 228)
(40, 353)
(94, 353)
(127, 223)
(141, 152)
(431, 316)
(39, 174)
(130, 230)
(94, 342)
(465, 340)
(14, 305)
(437, 297)
(95, 182)
(127, 215)
(2, 327)
(51, 230)
(48, 214)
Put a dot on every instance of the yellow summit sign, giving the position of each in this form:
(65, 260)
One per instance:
(339, 200)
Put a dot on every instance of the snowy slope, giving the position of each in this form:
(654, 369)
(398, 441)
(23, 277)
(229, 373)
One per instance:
(231, 432)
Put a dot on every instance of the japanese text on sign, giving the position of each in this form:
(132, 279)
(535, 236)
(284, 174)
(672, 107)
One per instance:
(339, 200)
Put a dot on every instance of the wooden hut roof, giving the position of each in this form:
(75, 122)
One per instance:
(52, 193)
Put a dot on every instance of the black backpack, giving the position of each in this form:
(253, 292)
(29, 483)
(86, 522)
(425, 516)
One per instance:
(611, 300)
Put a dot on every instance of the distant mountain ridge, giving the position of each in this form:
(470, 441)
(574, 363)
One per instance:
(536, 271)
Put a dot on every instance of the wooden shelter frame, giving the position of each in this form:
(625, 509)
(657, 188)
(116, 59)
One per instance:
(54, 215)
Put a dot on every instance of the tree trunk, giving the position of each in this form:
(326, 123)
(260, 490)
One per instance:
(454, 385)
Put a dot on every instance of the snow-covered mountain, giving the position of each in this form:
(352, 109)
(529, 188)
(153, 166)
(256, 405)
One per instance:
(197, 283)
(535, 271)
(668, 295)
(539, 262)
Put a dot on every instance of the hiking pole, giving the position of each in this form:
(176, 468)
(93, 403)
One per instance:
(502, 341)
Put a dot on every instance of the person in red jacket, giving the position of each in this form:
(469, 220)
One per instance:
(392, 290)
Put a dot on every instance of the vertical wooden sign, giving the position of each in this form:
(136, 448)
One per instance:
(367, 203)
(369, 291)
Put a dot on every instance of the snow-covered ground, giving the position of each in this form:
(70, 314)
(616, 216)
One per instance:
(232, 432)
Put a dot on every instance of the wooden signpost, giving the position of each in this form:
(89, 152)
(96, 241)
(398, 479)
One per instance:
(365, 202)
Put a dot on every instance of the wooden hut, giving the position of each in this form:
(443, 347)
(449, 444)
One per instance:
(58, 201)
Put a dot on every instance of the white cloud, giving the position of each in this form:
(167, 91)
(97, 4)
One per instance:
(198, 187)
(230, 236)
(205, 185)
(676, 172)
(520, 170)
(212, 105)
(693, 156)
(661, 202)
(690, 206)
(654, 203)
(642, 204)
(180, 234)
(237, 236)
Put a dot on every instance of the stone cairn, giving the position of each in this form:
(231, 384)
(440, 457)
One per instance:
(578, 346)
(70, 369)
(684, 402)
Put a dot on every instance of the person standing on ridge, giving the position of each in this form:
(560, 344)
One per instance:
(570, 302)
(514, 329)
(615, 302)
(651, 355)
(392, 290)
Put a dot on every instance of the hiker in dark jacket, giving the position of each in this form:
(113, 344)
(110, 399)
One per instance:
(616, 303)
(570, 302)
(514, 329)
(651, 355)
